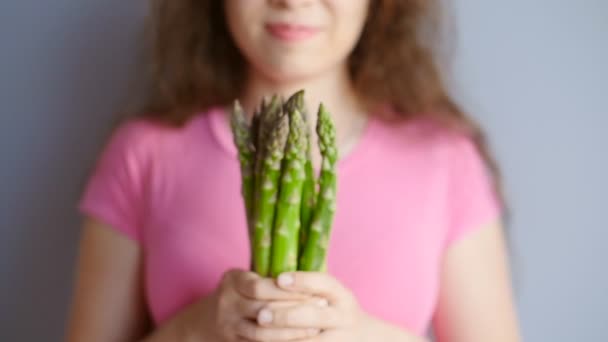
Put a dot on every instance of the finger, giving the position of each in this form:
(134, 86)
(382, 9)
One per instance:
(250, 331)
(250, 308)
(302, 316)
(327, 336)
(252, 286)
(315, 283)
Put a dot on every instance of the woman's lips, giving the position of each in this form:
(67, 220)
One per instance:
(291, 32)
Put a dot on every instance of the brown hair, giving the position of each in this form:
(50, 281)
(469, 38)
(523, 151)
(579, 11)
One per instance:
(195, 64)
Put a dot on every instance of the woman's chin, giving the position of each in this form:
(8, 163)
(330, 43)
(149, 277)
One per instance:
(287, 73)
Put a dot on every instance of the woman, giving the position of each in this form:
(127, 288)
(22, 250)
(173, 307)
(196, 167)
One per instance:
(417, 238)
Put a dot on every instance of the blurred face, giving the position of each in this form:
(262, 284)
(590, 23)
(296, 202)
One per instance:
(287, 40)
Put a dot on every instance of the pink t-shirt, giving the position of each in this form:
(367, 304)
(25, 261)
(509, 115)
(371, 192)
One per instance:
(406, 193)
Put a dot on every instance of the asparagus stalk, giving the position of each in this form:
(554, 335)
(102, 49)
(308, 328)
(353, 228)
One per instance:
(287, 221)
(315, 249)
(254, 133)
(243, 140)
(274, 129)
(296, 101)
(268, 114)
(309, 188)
(308, 200)
(261, 124)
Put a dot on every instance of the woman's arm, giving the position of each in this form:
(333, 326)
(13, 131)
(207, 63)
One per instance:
(475, 301)
(108, 303)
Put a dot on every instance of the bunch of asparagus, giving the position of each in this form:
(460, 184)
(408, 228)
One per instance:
(289, 210)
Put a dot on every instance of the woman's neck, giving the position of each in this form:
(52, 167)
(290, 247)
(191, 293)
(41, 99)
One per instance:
(333, 88)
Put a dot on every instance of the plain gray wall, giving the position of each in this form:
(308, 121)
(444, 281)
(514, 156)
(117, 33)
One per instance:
(534, 72)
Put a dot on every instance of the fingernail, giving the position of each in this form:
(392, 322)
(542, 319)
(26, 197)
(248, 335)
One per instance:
(323, 302)
(285, 279)
(264, 316)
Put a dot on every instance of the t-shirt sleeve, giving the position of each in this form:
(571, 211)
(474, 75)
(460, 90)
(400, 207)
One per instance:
(114, 190)
(472, 199)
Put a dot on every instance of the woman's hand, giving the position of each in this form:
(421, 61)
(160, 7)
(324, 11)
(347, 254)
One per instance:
(229, 314)
(335, 312)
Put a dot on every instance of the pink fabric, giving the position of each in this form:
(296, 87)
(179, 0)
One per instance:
(405, 194)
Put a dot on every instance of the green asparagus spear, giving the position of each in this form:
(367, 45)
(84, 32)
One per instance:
(242, 136)
(268, 187)
(242, 140)
(287, 221)
(263, 120)
(308, 200)
(269, 111)
(315, 249)
(296, 101)
(254, 133)
(308, 192)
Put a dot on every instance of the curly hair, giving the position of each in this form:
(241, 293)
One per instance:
(194, 64)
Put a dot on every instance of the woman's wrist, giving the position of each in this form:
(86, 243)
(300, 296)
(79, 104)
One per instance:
(199, 324)
(173, 330)
(191, 325)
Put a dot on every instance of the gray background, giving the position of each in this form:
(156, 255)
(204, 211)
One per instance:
(534, 72)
